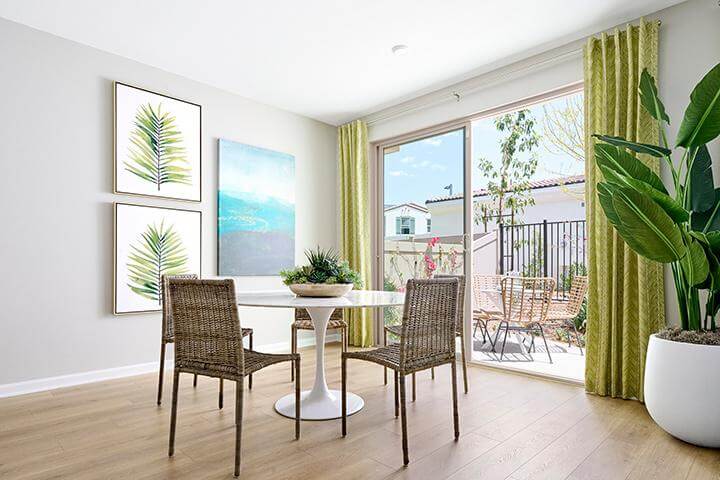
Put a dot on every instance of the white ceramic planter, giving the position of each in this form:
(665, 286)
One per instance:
(682, 390)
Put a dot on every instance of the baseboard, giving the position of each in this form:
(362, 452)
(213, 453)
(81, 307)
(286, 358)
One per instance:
(73, 379)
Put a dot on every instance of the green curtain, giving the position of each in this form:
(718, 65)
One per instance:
(626, 300)
(354, 219)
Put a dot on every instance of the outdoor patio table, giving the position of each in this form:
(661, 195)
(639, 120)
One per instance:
(320, 403)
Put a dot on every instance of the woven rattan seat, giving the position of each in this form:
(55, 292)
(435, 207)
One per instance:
(209, 341)
(304, 322)
(562, 313)
(168, 336)
(427, 340)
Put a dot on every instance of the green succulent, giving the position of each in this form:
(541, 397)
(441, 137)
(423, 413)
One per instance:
(324, 266)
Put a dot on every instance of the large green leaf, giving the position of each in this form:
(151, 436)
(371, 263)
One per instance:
(159, 251)
(626, 164)
(605, 192)
(701, 123)
(701, 184)
(709, 220)
(649, 97)
(646, 148)
(646, 228)
(669, 204)
(695, 263)
(156, 152)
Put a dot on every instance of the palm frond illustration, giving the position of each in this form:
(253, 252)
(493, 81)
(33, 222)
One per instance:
(158, 251)
(156, 152)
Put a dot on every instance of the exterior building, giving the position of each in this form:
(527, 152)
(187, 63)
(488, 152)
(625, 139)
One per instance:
(406, 220)
(556, 199)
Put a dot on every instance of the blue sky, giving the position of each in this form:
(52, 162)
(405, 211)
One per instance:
(420, 170)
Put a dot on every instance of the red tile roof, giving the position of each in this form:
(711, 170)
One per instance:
(535, 184)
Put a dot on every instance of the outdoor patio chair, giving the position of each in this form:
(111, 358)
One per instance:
(484, 309)
(525, 307)
(168, 336)
(563, 312)
(427, 340)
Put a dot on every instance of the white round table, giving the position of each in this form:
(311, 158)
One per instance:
(320, 403)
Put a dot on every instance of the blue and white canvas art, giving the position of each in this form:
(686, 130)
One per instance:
(256, 210)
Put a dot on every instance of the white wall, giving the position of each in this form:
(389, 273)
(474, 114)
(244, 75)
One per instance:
(56, 202)
(689, 47)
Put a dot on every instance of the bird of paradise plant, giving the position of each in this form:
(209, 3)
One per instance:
(678, 224)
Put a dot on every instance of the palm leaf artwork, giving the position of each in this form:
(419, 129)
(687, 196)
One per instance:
(156, 152)
(159, 251)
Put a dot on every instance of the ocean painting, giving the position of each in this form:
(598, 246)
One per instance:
(256, 210)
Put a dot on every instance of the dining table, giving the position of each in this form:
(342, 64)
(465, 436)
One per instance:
(320, 402)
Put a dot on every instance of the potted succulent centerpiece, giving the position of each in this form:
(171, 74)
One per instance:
(677, 224)
(324, 276)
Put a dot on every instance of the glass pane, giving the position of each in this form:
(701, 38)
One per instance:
(423, 211)
(529, 221)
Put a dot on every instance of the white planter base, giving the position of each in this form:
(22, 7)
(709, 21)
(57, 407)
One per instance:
(682, 390)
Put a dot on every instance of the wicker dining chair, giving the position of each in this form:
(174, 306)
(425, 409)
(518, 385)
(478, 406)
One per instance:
(484, 309)
(427, 340)
(304, 322)
(397, 329)
(209, 341)
(168, 337)
(563, 313)
(525, 306)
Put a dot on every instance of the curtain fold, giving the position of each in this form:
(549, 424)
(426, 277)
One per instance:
(355, 220)
(626, 300)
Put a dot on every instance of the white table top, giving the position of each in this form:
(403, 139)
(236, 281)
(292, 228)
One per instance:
(354, 299)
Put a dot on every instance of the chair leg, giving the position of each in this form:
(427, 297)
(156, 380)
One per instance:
(397, 401)
(220, 394)
(413, 388)
(239, 394)
(456, 420)
(432, 373)
(546, 344)
(464, 363)
(250, 341)
(344, 339)
(344, 395)
(502, 350)
(194, 380)
(173, 413)
(385, 368)
(162, 371)
(577, 338)
(297, 398)
(293, 349)
(403, 420)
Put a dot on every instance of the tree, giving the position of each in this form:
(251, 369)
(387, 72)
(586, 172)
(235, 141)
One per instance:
(509, 178)
(563, 129)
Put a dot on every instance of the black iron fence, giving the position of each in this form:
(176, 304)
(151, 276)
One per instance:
(547, 249)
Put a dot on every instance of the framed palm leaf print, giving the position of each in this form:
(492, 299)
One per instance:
(157, 145)
(151, 242)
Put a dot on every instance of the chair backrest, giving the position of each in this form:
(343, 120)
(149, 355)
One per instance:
(167, 320)
(526, 299)
(207, 326)
(429, 322)
(578, 290)
(480, 286)
(461, 298)
(301, 314)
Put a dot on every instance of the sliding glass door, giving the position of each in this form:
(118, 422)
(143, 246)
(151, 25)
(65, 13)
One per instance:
(423, 206)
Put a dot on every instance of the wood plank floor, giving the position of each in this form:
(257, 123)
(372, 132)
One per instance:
(512, 427)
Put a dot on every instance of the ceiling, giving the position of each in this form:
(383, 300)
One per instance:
(327, 59)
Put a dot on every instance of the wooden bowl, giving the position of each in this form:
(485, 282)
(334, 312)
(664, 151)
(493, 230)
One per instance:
(320, 289)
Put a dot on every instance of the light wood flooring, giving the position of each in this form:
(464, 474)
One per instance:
(512, 427)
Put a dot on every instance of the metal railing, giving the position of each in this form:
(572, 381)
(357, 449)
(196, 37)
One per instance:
(546, 249)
